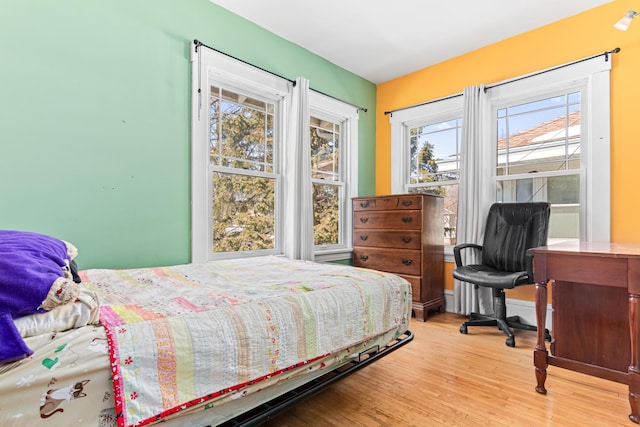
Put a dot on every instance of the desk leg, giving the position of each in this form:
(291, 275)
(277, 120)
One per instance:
(540, 353)
(634, 368)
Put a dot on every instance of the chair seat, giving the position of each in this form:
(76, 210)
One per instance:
(483, 275)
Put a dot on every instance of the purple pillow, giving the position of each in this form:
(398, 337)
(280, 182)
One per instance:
(35, 276)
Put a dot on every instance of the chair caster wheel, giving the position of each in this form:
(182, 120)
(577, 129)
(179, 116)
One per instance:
(511, 342)
(463, 329)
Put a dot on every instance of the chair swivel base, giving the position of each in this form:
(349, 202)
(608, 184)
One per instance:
(505, 325)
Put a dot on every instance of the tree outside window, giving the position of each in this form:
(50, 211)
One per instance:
(435, 169)
(327, 180)
(243, 178)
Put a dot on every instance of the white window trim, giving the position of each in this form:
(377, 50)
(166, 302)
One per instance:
(209, 67)
(323, 106)
(402, 121)
(591, 76)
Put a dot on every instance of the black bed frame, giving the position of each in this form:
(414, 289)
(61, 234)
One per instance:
(270, 409)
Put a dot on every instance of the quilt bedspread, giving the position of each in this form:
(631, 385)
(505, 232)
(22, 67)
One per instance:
(184, 334)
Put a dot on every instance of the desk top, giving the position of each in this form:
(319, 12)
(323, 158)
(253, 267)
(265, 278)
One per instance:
(613, 249)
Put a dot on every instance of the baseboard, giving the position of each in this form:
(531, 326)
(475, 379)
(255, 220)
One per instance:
(515, 307)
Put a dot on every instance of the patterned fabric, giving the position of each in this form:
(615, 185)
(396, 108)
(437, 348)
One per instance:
(182, 335)
(65, 383)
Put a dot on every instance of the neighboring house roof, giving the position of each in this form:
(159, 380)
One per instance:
(553, 130)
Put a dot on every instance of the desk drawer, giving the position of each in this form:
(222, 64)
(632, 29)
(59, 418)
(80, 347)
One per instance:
(403, 220)
(391, 260)
(409, 239)
(604, 271)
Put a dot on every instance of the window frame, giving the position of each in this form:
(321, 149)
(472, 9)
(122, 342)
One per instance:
(592, 78)
(211, 68)
(401, 122)
(328, 108)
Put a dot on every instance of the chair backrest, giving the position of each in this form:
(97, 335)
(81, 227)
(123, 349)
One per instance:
(512, 229)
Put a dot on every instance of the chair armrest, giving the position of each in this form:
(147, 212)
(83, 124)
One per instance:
(528, 261)
(458, 248)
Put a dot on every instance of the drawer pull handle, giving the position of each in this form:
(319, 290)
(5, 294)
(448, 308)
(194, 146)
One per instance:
(364, 257)
(407, 202)
(364, 204)
(407, 261)
(364, 237)
(364, 220)
(407, 219)
(406, 239)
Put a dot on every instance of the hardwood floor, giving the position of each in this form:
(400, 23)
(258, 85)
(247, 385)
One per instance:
(444, 378)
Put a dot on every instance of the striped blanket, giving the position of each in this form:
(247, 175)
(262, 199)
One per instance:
(181, 335)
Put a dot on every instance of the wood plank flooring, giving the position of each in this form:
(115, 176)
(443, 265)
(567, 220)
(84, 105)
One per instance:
(444, 378)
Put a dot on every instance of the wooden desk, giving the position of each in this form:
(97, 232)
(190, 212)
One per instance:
(596, 312)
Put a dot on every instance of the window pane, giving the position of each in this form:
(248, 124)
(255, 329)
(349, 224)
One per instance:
(435, 155)
(563, 189)
(241, 131)
(536, 105)
(325, 149)
(563, 192)
(243, 213)
(450, 194)
(328, 181)
(543, 136)
(326, 214)
(435, 152)
(539, 136)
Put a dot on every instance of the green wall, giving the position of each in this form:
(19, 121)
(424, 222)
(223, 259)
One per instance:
(95, 118)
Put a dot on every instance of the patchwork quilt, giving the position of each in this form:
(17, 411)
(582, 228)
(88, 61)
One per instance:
(182, 335)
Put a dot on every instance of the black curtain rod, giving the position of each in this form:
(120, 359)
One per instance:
(605, 54)
(425, 103)
(198, 43)
(606, 58)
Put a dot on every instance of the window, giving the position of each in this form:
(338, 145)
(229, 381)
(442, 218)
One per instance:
(551, 141)
(434, 167)
(237, 177)
(244, 178)
(551, 136)
(427, 142)
(326, 180)
(240, 176)
(333, 134)
(538, 158)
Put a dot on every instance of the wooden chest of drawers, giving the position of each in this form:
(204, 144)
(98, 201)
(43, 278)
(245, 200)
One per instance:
(403, 234)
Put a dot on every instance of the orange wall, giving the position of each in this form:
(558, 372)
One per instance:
(580, 36)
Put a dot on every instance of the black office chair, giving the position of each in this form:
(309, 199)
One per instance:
(512, 229)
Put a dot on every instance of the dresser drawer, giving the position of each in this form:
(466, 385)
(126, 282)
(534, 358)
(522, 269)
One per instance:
(387, 203)
(391, 260)
(404, 220)
(416, 286)
(404, 239)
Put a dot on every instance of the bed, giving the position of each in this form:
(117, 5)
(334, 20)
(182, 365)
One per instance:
(227, 342)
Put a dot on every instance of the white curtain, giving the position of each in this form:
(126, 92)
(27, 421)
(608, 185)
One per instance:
(298, 215)
(476, 192)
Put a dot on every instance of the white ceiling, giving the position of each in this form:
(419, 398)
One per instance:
(382, 39)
